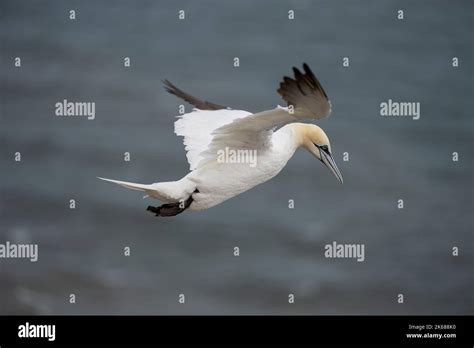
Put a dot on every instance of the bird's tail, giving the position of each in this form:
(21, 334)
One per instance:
(171, 191)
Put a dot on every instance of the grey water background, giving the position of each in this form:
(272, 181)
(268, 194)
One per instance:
(407, 251)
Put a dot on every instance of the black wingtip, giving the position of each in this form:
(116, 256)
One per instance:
(307, 70)
(169, 87)
(297, 72)
(310, 73)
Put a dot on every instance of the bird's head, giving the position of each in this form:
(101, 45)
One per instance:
(317, 143)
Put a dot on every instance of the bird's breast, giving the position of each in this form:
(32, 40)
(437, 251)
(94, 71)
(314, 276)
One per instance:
(227, 177)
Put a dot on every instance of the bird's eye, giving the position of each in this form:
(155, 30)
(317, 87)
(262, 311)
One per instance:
(324, 148)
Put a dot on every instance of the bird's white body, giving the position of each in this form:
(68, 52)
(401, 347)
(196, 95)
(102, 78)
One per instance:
(216, 130)
(211, 181)
(217, 182)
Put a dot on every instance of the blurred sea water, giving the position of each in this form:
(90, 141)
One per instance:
(81, 251)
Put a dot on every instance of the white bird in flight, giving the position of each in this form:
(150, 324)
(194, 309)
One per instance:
(231, 151)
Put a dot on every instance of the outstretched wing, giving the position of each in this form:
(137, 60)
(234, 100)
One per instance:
(309, 101)
(305, 94)
(214, 127)
(251, 132)
(196, 102)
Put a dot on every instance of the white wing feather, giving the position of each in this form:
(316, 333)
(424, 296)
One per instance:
(251, 132)
(197, 126)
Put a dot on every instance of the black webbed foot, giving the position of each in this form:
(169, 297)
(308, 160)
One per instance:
(170, 209)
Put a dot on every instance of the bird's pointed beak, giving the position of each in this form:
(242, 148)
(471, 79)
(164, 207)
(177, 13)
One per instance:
(329, 162)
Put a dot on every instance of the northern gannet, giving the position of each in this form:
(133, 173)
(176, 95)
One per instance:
(211, 130)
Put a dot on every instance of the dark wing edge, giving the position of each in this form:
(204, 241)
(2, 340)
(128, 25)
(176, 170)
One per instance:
(196, 102)
(305, 93)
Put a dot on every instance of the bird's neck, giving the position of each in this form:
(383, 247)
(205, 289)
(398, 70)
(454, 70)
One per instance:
(288, 139)
(294, 134)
